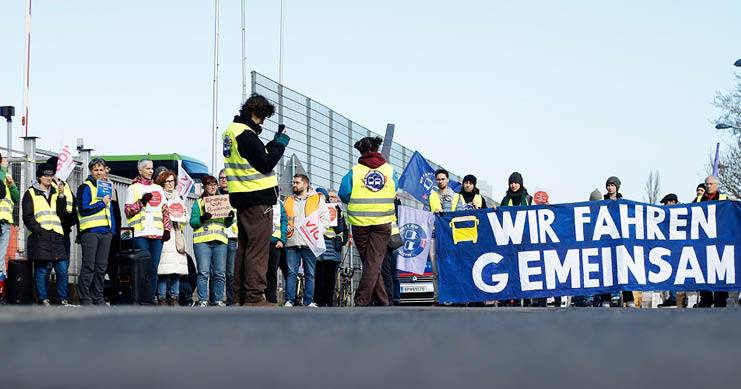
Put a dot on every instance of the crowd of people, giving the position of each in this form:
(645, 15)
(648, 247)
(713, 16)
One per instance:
(237, 257)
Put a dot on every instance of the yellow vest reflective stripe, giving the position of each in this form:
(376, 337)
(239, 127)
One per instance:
(212, 229)
(67, 195)
(372, 197)
(101, 218)
(330, 234)
(435, 202)
(311, 205)
(721, 197)
(240, 175)
(6, 205)
(137, 222)
(46, 214)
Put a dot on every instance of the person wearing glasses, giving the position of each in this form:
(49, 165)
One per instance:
(97, 227)
(232, 235)
(173, 260)
(209, 244)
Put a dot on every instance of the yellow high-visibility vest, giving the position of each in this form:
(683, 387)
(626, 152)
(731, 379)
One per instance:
(212, 229)
(46, 213)
(312, 204)
(509, 202)
(138, 221)
(435, 202)
(6, 205)
(67, 195)
(240, 175)
(101, 218)
(721, 197)
(372, 196)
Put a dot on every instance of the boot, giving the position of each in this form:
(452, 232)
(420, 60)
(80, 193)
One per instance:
(681, 299)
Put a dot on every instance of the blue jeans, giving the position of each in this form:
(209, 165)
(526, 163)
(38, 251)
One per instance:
(4, 241)
(42, 269)
(294, 256)
(211, 260)
(168, 283)
(154, 246)
(231, 252)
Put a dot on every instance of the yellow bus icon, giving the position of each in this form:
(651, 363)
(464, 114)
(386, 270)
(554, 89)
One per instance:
(465, 229)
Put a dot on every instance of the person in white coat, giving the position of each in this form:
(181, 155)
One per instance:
(173, 260)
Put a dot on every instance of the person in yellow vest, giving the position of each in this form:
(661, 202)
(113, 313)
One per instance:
(444, 199)
(712, 193)
(146, 212)
(43, 209)
(97, 227)
(232, 234)
(209, 245)
(329, 261)
(71, 220)
(277, 251)
(369, 189)
(472, 198)
(9, 196)
(304, 202)
(253, 190)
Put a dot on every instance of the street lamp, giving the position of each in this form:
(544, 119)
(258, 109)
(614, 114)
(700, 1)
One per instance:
(8, 112)
(737, 63)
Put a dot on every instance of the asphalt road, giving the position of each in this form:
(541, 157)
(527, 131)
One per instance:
(147, 347)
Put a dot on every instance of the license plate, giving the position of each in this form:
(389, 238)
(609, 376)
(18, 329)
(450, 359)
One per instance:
(421, 287)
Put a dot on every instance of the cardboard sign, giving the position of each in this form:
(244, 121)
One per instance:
(104, 188)
(217, 206)
(65, 163)
(312, 233)
(177, 210)
(157, 200)
(332, 214)
(184, 183)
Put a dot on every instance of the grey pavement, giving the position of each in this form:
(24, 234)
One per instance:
(147, 347)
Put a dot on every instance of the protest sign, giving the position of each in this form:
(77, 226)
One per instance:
(184, 183)
(332, 214)
(540, 196)
(176, 207)
(218, 206)
(156, 202)
(312, 233)
(103, 189)
(587, 248)
(65, 163)
(415, 228)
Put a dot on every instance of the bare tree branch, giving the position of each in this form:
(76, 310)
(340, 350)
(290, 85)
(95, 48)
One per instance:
(652, 187)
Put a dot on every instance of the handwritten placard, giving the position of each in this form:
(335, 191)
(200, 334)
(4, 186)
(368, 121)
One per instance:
(217, 206)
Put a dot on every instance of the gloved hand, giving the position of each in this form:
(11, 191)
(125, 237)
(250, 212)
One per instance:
(205, 216)
(145, 198)
(281, 138)
(230, 218)
(166, 236)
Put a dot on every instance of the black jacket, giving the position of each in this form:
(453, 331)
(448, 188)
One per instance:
(43, 245)
(252, 149)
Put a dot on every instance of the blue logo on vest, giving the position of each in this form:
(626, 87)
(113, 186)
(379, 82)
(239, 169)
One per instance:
(374, 180)
(414, 238)
(227, 148)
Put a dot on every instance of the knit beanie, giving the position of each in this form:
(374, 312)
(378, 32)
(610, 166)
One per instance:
(470, 178)
(595, 196)
(324, 192)
(515, 177)
(613, 180)
(45, 169)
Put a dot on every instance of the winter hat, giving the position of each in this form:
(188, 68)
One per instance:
(669, 197)
(595, 196)
(324, 192)
(45, 169)
(470, 178)
(52, 161)
(613, 180)
(515, 177)
(157, 172)
(702, 185)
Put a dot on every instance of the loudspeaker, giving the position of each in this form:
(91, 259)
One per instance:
(19, 284)
(135, 277)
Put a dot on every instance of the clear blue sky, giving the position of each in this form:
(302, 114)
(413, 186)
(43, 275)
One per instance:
(567, 93)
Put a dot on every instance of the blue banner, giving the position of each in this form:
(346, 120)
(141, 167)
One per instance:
(418, 179)
(587, 248)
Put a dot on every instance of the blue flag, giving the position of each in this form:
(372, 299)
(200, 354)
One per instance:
(418, 178)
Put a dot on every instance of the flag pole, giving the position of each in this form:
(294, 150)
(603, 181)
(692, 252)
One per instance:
(27, 68)
(215, 114)
(715, 164)
(244, 57)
